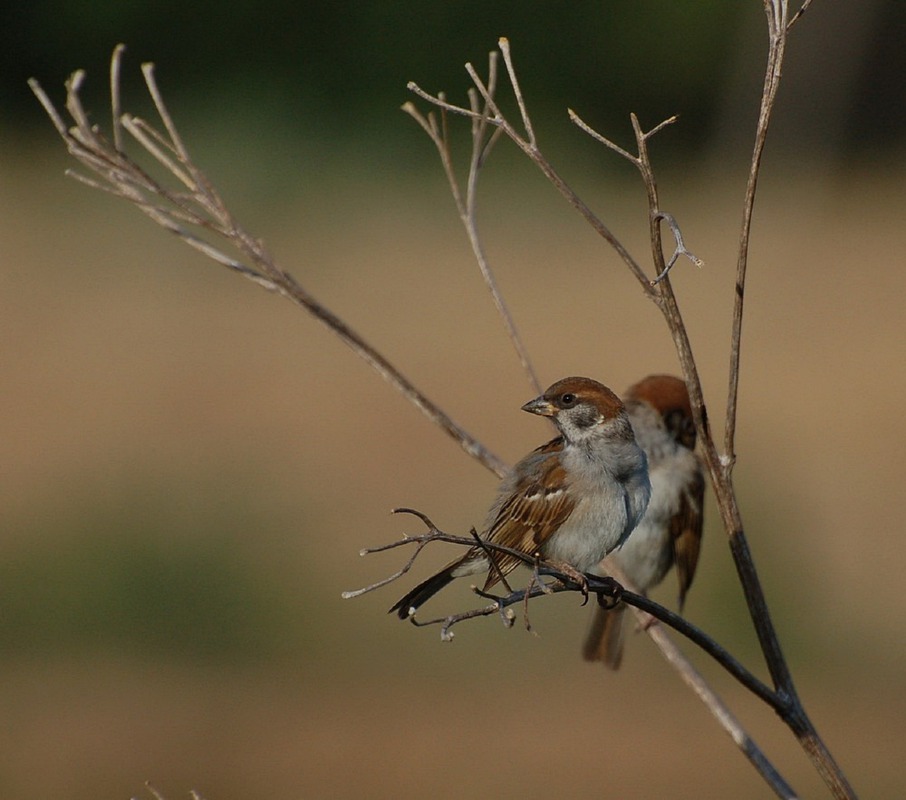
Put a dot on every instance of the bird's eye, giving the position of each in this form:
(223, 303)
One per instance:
(567, 399)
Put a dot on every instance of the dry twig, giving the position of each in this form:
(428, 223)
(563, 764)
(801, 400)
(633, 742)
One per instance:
(194, 211)
(483, 141)
(661, 292)
(606, 588)
(199, 205)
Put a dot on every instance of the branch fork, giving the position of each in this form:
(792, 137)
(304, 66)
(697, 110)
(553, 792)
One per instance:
(191, 208)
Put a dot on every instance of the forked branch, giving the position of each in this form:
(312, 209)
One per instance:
(661, 292)
(484, 136)
(194, 211)
(187, 205)
(528, 144)
(606, 588)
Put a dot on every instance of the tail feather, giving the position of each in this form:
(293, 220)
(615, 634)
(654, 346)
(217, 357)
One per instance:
(407, 605)
(604, 641)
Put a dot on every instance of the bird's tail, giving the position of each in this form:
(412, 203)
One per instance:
(411, 602)
(604, 641)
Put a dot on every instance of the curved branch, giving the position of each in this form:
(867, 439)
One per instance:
(595, 584)
(203, 207)
(200, 206)
(661, 292)
(530, 147)
(604, 587)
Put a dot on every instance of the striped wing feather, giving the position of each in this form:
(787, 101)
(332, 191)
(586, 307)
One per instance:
(531, 514)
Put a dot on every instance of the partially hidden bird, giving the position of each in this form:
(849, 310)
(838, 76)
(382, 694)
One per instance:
(670, 531)
(572, 500)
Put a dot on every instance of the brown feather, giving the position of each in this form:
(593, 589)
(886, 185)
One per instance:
(604, 641)
(686, 530)
(531, 515)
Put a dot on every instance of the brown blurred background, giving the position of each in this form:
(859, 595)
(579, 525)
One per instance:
(189, 465)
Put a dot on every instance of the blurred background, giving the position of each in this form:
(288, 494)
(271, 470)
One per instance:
(190, 466)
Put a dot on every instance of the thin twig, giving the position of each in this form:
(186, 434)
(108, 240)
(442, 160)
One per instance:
(116, 170)
(796, 17)
(493, 566)
(679, 250)
(504, 45)
(481, 148)
(593, 584)
(466, 203)
(577, 120)
(116, 106)
(776, 12)
(534, 153)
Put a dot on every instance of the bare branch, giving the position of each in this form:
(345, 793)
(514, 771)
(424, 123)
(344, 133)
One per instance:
(504, 45)
(481, 148)
(148, 138)
(49, 107)
(613, 592)
(607, 587)
(119, 174)
(776, 12)
(802, 9)
(440, 102)
(531, 149)
(466, 203)
(679, 250)
(602, 139)
(661, 125)
(116, 106)
(163, 113)
(73, 102)
(389, 579)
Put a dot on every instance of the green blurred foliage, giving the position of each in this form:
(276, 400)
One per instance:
(349, 63)
(341, 68)
(134, 573)
(337, 55)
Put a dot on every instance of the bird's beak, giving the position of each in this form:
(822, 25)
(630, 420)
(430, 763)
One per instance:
(540, 406)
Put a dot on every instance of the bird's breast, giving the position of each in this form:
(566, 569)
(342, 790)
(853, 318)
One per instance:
(596, 526)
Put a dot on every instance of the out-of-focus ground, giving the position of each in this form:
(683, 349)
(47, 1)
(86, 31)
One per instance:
(190, 466)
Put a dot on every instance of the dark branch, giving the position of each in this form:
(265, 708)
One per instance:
(606, 588)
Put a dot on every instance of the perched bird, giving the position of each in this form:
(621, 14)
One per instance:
(671, 529)
(572, 500)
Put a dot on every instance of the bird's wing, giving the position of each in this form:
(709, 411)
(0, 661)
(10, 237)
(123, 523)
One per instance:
(533, 511)
(686, 531)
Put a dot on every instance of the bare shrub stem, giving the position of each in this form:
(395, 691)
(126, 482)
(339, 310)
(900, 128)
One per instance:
(189, 207)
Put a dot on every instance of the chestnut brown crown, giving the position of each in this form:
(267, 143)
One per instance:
(668, 395)
(574, 393)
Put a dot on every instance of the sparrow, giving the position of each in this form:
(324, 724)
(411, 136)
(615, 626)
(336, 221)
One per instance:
(670, 532)
(572, 500)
